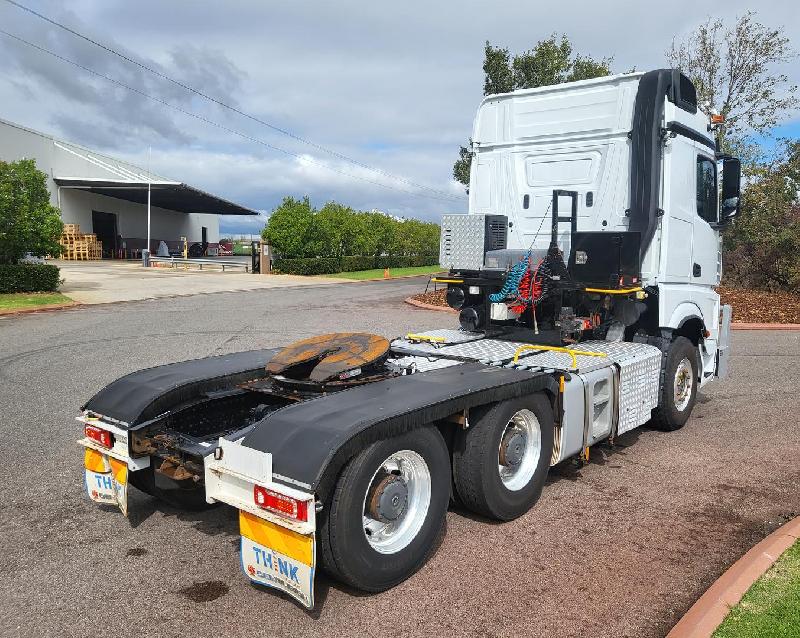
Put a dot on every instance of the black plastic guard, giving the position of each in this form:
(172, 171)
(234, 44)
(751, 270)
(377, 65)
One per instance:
(143, 395)
(646, 148)
(311, 441)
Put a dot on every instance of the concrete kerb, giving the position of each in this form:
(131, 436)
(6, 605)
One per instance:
(48, 308)
(710, 610)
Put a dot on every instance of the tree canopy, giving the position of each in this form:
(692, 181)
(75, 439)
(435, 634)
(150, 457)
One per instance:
(28, 222)
(762, 249)
(550, 61)
(735, 70)
(297, 229)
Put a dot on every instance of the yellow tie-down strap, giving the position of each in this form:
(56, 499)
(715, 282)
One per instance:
(570, 351)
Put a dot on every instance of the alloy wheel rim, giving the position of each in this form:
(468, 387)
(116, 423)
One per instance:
(396, 502)
(519, 450)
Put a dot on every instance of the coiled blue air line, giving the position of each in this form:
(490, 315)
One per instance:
(511, 285)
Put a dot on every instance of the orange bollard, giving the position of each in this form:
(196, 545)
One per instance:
(386, 274)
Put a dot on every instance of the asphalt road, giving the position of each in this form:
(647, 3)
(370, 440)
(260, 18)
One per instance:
(619, 547)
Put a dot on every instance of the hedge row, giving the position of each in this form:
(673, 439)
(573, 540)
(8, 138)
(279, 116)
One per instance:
(28, 278)
(330, 265)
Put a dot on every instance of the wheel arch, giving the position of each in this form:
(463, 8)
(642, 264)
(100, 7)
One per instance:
(687, 321)
(310, 442)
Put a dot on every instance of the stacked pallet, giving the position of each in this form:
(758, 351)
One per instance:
(78, 247)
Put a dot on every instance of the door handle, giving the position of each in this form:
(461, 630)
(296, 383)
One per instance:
(696, 270)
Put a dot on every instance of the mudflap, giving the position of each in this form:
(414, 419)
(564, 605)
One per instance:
(278, 557)
(106, 479)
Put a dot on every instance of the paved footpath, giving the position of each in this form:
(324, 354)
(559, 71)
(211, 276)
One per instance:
(94, 282)
(620, 547)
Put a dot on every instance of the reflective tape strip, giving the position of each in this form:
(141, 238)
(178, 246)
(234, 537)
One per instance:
(95, 461)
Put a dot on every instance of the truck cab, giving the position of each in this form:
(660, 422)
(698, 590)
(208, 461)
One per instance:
(638, 158)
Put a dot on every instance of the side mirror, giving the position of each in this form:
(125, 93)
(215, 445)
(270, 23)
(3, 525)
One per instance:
(731, 182)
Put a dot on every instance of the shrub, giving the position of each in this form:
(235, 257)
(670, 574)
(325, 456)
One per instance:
(297, 229)
(28, 278)
(350, 264)
(406, 261)
(330, 265)
(28, 222)
(306, 266)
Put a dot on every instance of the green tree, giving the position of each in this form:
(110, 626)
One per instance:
(296, 229)
(545, 64)
(28, 222)
(331, 225)
(383, 234)
(762, 249)
(549, 62)
(289, 226)
(585, 68)
(463, 165)
(735, 72)
(498, 76)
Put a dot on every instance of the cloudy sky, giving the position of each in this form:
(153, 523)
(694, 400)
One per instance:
(393, 87)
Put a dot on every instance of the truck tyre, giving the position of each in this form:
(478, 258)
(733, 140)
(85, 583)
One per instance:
(500, 461)
(678, 391)
(387, 510)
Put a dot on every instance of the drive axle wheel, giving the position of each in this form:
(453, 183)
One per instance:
(388, 507)
(678, 391)
(500, 461)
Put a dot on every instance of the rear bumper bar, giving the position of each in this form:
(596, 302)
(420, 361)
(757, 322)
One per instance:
(233, 471)
(120, 450)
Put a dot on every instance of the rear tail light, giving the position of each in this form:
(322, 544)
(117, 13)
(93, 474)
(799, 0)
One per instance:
(280, 504)
(98, 435)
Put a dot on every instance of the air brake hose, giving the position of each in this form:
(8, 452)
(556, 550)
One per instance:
(511, 284)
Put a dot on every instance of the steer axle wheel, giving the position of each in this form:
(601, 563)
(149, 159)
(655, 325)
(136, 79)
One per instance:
(500, 461)
(678, 386)
(387, 510)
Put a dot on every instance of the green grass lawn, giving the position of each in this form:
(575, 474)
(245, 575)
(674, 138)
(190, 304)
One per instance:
(771, 607)
(20, 300)
(377, 273)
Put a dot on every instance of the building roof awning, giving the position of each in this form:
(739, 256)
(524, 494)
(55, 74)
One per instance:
(170, 195)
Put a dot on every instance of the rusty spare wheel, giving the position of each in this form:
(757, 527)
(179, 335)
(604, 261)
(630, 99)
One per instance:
(338, 355)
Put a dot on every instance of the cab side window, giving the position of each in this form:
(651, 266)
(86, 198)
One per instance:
(707, 189)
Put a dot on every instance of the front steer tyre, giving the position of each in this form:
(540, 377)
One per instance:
(678, 391)
(500, 461)
(387, 510)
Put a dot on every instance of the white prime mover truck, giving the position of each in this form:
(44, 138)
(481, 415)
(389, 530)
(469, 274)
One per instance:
(584, 278)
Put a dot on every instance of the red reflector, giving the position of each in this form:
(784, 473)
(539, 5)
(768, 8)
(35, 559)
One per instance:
(103, 437)
(280, 504)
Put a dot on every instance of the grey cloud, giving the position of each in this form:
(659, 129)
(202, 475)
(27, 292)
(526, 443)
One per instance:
(346, 74)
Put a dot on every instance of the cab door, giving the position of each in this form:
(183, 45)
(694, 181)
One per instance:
(706, 243)
(679, 211)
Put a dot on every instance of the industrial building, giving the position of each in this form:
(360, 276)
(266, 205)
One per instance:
(108, 197)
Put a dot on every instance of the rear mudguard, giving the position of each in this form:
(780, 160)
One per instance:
(144, 395)
(311, 441)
